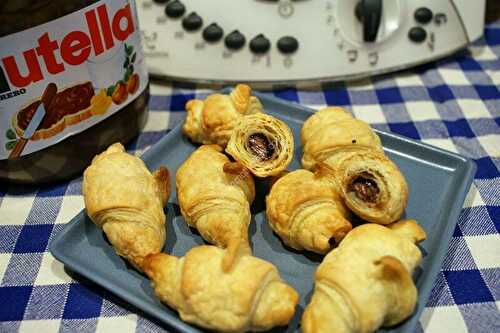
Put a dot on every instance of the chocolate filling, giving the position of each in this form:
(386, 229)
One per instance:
(260, 146)
(68, 101)
(365, 188)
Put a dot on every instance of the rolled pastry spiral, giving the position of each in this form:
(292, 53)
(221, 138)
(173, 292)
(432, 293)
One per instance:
(366, 282)
(212, 121)
(124, 199)
(251, 297)
(371, 185)
(305, 210)
(214, 195)
(262, 143)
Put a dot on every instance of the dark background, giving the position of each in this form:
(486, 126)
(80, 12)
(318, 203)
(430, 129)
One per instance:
(492, 10)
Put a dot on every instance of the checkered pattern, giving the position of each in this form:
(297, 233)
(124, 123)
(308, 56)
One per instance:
(453, 104)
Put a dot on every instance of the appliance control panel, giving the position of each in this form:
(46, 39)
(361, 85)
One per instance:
(293, 41)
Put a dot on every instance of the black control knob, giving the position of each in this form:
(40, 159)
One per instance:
(213, 33)
(423, 15)
(235, 40)
(161, 2)
(175, 9)
(417, 34)
(192, 22)
(288, 44)
(260, 44)
(369, 12)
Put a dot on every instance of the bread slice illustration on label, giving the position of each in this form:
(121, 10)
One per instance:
(69, 106)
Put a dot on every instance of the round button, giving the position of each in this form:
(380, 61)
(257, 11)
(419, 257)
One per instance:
(213, 33)
(192, 22)
(288, 44)
(260, 44)
(175, 9)
(417, 34)
(235, 40)
(423, 15)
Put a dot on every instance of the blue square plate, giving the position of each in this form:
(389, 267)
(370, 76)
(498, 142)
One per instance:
(431, 173)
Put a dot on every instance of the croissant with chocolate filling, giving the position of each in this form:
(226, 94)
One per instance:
(251, 297)
(366, 282)
(124, 199)
(214, 195)
(263, 144)
(212, 121)
(306, 212)
(371, 185)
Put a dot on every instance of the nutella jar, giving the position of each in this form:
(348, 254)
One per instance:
(72, 81)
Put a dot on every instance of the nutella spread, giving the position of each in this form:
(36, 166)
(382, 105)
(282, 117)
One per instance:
(72, 81)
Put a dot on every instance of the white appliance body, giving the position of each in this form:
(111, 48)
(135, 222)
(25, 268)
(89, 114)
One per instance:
(330, 40)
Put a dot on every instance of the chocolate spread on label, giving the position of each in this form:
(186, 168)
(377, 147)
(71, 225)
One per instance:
(93, 31)
(66, 102)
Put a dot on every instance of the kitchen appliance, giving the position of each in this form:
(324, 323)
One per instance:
(295, 41)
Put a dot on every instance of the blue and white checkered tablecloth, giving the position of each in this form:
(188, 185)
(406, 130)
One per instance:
(453, 104)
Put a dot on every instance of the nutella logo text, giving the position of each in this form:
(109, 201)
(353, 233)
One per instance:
(74, 49)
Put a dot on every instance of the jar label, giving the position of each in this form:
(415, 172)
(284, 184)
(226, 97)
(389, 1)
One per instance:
(62, 77)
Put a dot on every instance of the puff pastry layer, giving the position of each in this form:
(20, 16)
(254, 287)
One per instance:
(212, 121)
(124, 199)
(214, 195)
(263, 144)
(305, 210)
(252, 297)
(366, 282)
(371, 185)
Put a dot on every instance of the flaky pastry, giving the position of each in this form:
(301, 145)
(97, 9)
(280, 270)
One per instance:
(366, 282)
(305, 210)
(214, 195)
(211, 121)
(124, 199)
(251, 297)
(263, 144)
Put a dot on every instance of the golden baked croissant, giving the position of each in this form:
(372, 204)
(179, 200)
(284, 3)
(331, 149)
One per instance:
(305, 210)
(332, 132)
(262, 143)
(212, 121)
(124, 199)
(371, 185)
(251, 297)
(366, 282)
(214, 195)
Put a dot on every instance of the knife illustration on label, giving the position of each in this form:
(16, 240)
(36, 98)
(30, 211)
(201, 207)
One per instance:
(37, 119)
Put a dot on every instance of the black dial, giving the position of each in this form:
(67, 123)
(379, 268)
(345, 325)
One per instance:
(260, 44)
(369, 12)
(423, 15)
(192, 22)
(213, 33)
(235, 40)
(417, 34)
(175, 9)
(288, 44)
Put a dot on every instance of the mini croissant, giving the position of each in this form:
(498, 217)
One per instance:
(251, 297)
(214, 195)
(370, 184)
(305, 210)
(124, 199)
(366, 282)
(212, 121)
